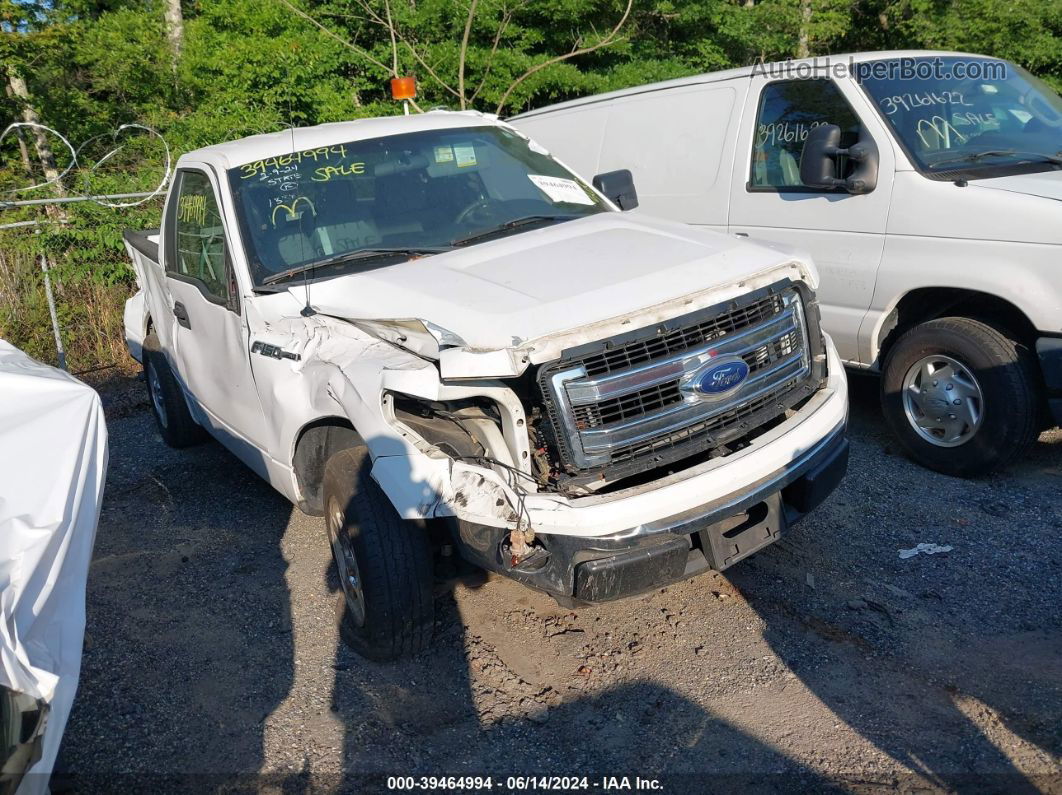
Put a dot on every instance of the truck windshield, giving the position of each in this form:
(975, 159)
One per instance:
(373, 202)
(965, 117)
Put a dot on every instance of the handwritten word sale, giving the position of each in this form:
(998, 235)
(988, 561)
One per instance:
(325, 173)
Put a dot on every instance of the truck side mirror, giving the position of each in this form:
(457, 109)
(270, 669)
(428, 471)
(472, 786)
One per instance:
(618, 187)
(818, 161)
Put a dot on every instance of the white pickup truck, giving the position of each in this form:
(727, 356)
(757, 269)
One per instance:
(431, 332)
(925, 185)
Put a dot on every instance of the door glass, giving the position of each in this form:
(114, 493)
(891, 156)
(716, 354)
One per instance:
(788, 111)
(199, 239)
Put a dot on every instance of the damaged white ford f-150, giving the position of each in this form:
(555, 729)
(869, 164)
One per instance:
(434, 334)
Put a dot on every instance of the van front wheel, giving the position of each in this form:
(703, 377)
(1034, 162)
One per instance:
(384, 563)
(961, 396)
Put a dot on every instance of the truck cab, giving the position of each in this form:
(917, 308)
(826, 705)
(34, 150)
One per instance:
(434, 334)
(925, 185)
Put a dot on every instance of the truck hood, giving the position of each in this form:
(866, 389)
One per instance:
(1045, 184)
(504, 293)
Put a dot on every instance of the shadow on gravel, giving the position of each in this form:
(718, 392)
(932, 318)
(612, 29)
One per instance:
(908, 652)
(188, 645)
(424, 717)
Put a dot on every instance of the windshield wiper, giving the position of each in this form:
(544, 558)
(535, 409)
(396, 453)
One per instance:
(361, 255)
(978, 156)
(515, 223)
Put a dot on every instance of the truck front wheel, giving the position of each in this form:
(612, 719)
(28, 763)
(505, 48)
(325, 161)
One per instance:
(386, 608)
(172, 418)
(961, 396)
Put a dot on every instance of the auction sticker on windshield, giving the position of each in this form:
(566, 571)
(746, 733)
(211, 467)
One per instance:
(561, 190)
(466, 156)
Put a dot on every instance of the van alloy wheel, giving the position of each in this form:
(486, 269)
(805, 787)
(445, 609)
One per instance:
(943, 400)
(346, 563)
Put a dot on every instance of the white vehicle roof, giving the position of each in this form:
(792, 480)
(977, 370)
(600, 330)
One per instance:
(257, 147)
(747, 71)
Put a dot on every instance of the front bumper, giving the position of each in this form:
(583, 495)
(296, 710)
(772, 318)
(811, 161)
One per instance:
(712, 536)
(1049, 351)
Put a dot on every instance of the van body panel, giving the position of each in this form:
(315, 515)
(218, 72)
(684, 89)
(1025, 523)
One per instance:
(607, 136)
(943, 235)
(844, 232)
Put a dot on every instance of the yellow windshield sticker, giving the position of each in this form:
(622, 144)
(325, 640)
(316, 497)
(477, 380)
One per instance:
(443, 154)
(465, 156)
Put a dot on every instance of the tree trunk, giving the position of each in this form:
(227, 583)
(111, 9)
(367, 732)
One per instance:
(23, 150)
(174, 29)
(803, 45)
(40, 138)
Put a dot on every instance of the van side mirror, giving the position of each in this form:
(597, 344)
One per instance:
(618, 187)
(819, 167)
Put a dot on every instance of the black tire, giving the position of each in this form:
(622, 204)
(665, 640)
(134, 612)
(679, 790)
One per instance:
(392, 563)
(172, 417)
(1006, 374)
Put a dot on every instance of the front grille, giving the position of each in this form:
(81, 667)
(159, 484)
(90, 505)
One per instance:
(628, 406)
(681, 339)
(629, 400)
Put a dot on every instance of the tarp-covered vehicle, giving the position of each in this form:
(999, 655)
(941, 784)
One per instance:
(53, 460)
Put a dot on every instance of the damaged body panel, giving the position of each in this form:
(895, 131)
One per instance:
(545, 381)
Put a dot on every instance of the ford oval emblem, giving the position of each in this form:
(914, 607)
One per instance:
(716, 379)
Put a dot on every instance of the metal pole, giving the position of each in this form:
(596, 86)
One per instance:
(4, 204)
(19, 224)
(52, 312)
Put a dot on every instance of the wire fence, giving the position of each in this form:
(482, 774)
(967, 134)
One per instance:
(56, 183)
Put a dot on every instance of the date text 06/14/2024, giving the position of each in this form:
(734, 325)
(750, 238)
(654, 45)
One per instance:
(523, 783)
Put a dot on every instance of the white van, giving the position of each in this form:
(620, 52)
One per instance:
(925, 185)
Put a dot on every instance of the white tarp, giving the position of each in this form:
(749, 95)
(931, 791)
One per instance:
(53, 460)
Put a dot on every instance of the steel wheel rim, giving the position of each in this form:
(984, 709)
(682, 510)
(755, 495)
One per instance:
(943, 401)
(157, 400)
(346, 563)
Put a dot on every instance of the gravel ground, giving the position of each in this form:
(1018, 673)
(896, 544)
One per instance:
(824, 662)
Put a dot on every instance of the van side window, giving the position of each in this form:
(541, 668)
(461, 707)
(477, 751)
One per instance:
(198, 242)
(788, 111)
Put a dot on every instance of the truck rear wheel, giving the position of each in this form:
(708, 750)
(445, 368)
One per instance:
(961, 396)
(384, 563)
(172, 417)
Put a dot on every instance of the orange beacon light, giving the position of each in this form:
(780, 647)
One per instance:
(404, 88)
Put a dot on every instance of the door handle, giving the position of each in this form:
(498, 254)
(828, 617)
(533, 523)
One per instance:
(181, 314)
(741, 234)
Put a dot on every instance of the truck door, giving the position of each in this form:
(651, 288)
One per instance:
(210, 334)
(844, 233)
